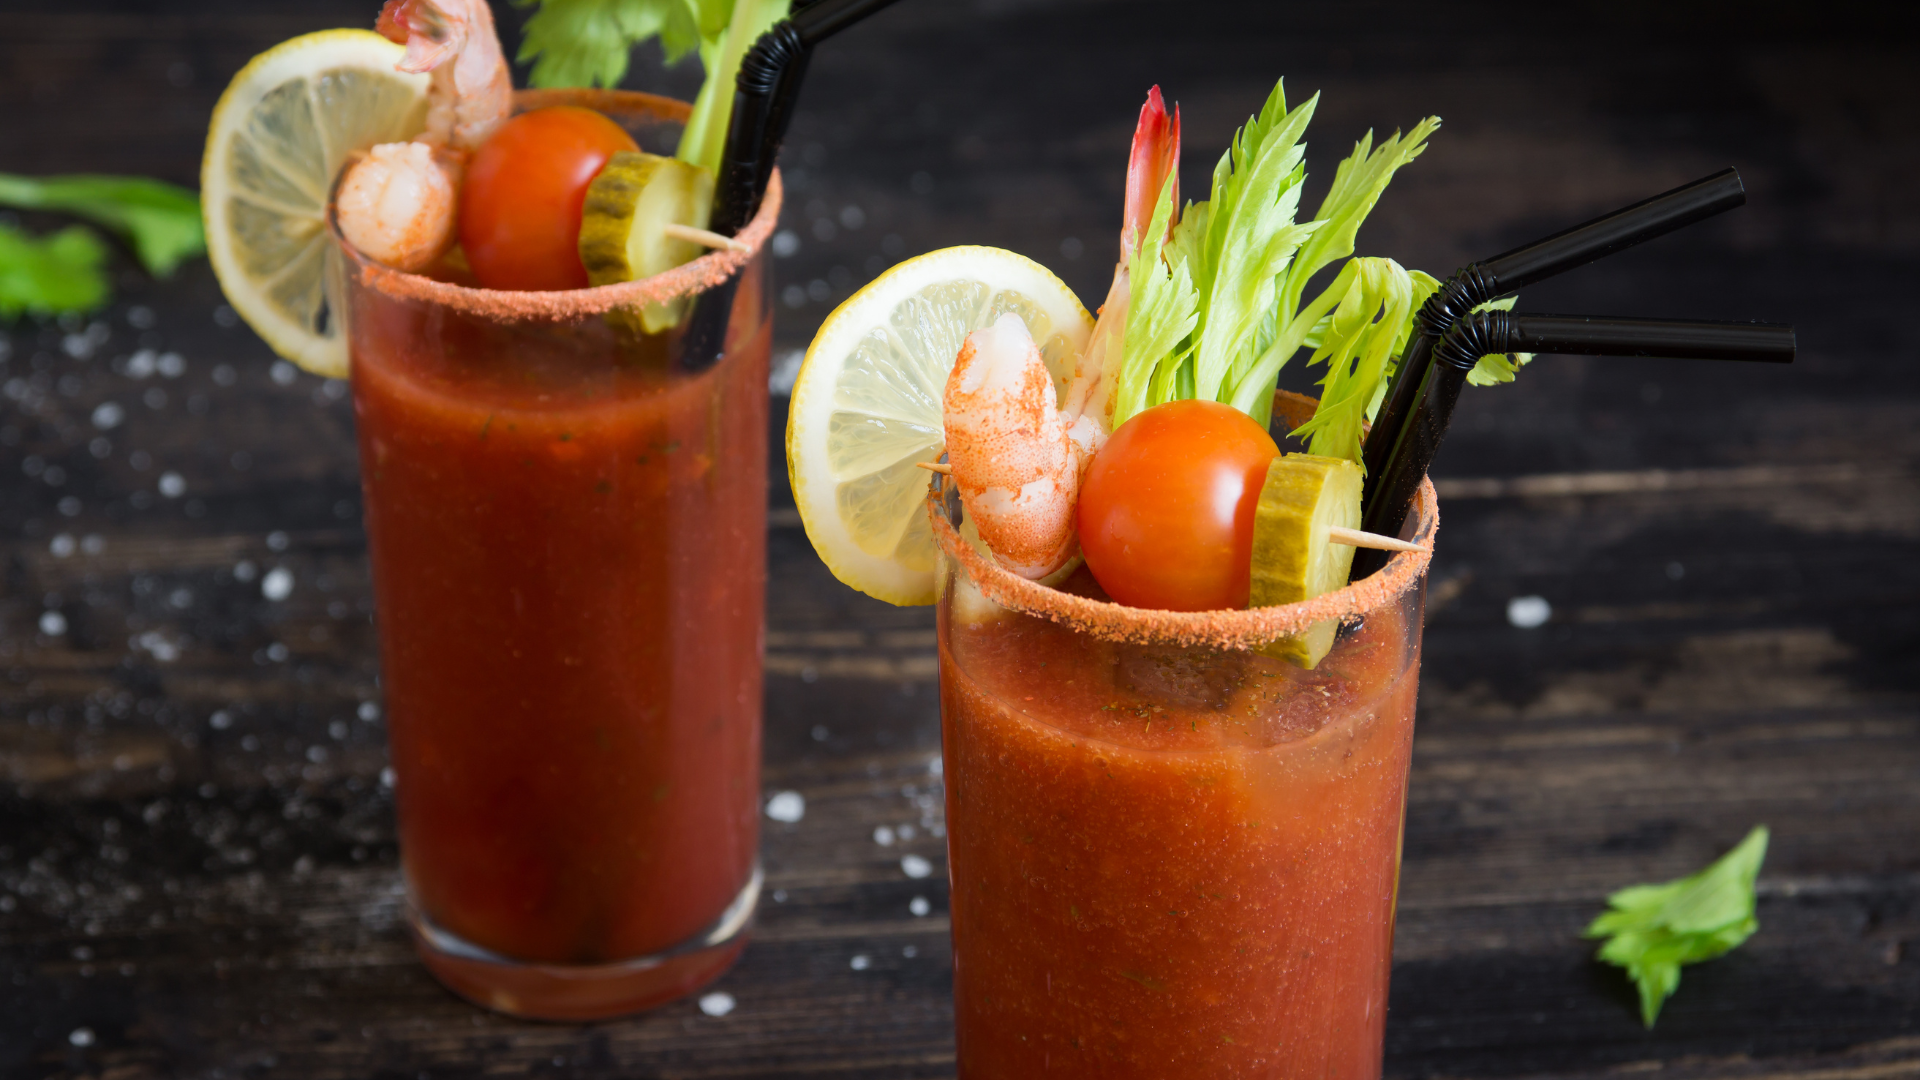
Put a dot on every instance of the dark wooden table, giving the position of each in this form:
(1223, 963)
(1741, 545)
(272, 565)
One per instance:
(198, 874)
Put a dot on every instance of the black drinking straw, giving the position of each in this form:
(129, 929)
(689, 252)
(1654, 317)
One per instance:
(764, 94)
(1478, 334)
(1488, 279)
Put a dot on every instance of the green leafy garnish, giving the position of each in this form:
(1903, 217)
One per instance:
(1161, 311)
(159, 220)
(1652, 930)
(1239, 263)
(51, 275)
(589, 42)
(1371, 310)
(1218, 311)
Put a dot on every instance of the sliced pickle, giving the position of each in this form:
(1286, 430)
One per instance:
(1304, 496)
(622, 224)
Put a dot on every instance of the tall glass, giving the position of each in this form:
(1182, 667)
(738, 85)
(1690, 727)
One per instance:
(1171, 855)
(567, 523)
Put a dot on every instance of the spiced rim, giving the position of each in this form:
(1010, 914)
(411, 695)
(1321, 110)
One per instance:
(1223, 629)
(688, 279)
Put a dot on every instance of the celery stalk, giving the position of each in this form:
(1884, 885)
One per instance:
(705, 138)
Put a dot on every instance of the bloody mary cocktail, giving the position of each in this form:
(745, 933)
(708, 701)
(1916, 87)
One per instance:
(1170, 859)
(567, 522)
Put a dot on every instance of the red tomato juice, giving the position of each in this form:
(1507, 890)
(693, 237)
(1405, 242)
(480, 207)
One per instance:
(1171, 862)
(568, 540)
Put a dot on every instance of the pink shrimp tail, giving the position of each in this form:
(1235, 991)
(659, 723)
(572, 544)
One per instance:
(472, 90)
(1156, 156)
(421, 27)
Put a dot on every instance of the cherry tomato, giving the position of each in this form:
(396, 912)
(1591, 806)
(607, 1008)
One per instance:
(1166, 509)
(520, 203)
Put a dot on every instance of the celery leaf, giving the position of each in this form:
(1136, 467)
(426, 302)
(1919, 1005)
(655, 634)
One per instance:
(159, 220)
(1371, 302)
(52, 275)
(1162, 308)
(589, 42)
(1357, 185)
(1251, 236)
(1217, 311)
(1653, 930)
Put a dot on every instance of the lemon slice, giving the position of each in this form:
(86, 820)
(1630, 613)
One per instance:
(867, 404)
(279, 136)
(1304, 496)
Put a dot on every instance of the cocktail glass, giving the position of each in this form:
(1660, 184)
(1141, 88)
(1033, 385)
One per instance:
(1171, 855)
(567, 523)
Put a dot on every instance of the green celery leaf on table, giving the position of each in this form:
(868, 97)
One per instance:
(1653, 930)
(160, 221)
(51, 275)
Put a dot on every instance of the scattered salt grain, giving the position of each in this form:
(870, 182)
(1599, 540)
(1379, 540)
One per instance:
(787, 806)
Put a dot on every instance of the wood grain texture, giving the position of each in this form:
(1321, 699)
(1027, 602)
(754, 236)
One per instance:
(198, 873)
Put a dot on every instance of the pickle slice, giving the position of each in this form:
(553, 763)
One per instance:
(629, 204)
(1293, 560)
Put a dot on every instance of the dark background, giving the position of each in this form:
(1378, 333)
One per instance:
(197, 868)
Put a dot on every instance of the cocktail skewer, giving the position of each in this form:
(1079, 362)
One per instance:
(703, 237)
(1362, 539)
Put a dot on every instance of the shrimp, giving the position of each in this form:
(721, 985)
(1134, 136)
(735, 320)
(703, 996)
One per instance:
(1017, 456)
(1016, 464)
(1155, 157)
(396, 204)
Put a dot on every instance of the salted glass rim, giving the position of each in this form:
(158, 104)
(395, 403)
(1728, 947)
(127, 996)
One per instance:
(688, 279)
(1224, 629)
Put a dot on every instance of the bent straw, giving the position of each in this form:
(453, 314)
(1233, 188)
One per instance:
(1478, 334)
(764, 94)
(768, 86)
(1479, 282)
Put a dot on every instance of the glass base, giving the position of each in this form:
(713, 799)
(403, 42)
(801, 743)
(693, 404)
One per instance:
(538, 991)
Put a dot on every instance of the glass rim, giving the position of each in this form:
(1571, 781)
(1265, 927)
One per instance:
(1241, 629)
(688, 279)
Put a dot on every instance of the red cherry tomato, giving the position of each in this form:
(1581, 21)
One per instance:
(520, 202)
(1166, 509)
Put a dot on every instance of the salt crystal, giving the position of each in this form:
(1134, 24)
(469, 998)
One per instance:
(787, 806)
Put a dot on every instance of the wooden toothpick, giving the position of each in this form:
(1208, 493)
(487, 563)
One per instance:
(702, 237)
(935, 466)
(1356, 538)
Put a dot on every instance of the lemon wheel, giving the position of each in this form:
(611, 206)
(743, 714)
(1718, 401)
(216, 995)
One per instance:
(867, 404)
(279, 136)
